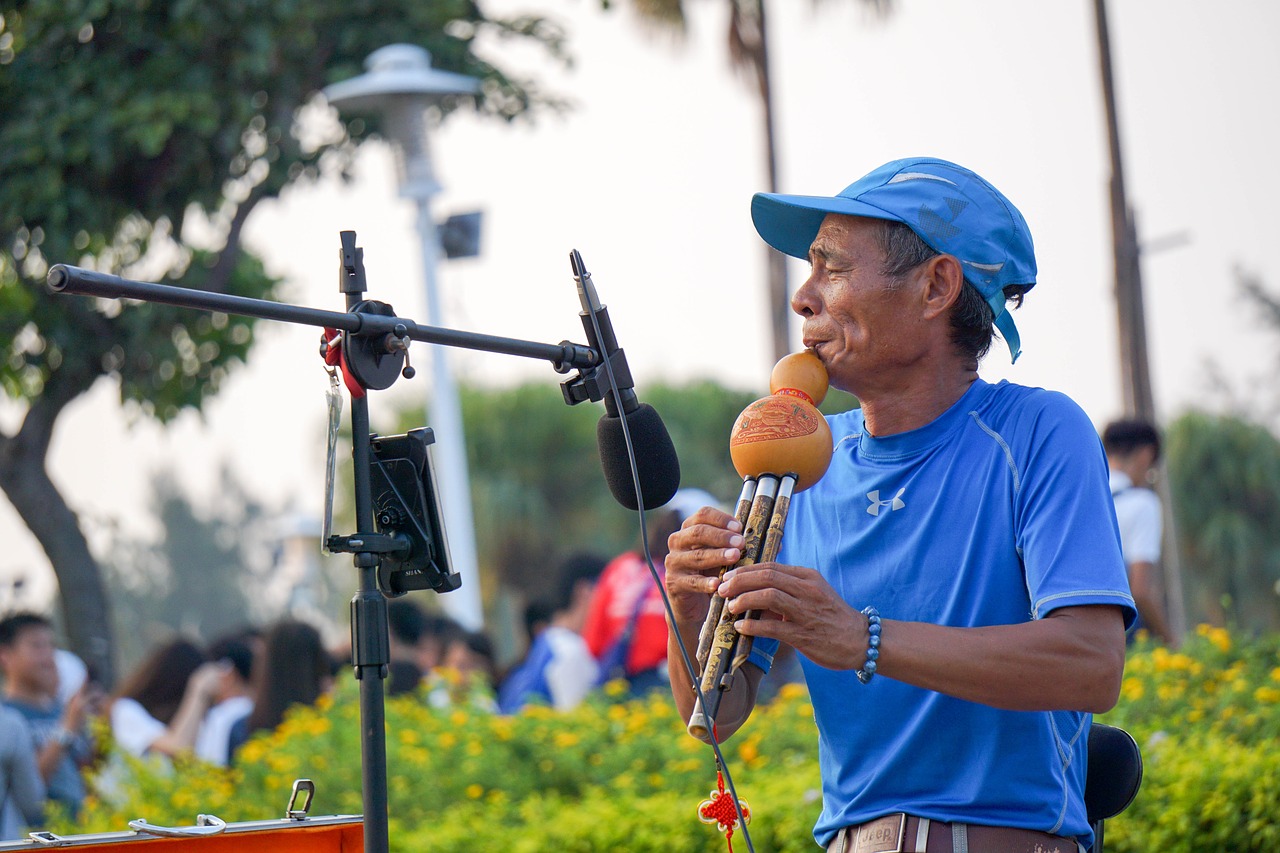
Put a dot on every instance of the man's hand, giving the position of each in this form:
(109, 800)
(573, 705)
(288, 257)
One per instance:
(709, 541)
(798, 607)
(84, 703)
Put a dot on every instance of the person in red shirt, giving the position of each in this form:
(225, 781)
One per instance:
(626, 627)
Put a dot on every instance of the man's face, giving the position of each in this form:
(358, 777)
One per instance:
(29, 664)
(858, 321)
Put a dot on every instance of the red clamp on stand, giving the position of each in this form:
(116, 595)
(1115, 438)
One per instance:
(331, 352)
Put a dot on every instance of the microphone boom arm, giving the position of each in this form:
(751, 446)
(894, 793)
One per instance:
(564, 356)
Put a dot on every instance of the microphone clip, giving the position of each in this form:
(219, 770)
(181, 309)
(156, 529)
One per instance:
(593, 384)
(610, 378)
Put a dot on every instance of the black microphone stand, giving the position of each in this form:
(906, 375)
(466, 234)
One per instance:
(374, 346)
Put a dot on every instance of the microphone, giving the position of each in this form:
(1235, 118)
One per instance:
(657, 466)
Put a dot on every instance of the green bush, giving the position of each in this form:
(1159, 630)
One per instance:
(1208, 720)
(620, 774)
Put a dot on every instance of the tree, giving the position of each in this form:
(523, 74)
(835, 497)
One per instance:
(203, 578)
(748, 39)
(137, 137)
(1224, 474)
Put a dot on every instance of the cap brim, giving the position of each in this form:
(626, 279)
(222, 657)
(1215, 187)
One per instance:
(789, 223)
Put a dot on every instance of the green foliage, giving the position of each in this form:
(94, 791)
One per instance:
(608, 775)
(1225, 479)
(137, 137)
(125, 118)
(623, 775)
(1208, 720)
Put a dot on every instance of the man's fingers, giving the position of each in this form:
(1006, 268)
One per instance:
(769, 599)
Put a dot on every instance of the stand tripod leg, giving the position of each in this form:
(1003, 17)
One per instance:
(370, 647)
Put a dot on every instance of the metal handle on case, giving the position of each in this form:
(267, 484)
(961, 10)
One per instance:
(206, 824)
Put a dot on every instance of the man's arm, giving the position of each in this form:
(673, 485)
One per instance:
(709, 541)
(1073, 659)
(26, 786)
(82, 704)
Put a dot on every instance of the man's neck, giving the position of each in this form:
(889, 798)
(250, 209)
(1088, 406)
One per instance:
(916, 402)
(27, 695)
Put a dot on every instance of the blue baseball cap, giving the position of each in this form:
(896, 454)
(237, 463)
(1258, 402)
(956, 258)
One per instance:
(952, 209)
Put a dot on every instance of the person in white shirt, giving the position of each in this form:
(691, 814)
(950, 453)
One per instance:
(559, 669)
(159, 707)
(232, 698)
(1133, 448)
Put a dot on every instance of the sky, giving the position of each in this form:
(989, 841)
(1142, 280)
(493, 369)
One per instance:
(650, 176)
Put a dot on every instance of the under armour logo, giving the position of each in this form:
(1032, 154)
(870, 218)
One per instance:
(892, 503)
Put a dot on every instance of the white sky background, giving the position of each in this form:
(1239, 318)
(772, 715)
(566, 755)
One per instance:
(650, 176)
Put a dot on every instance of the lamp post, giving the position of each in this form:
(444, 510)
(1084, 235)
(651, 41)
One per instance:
(400, 86)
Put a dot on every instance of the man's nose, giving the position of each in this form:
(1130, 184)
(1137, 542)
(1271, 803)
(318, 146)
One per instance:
(804, 301)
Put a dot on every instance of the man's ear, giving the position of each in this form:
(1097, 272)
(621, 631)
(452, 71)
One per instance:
(944, 279)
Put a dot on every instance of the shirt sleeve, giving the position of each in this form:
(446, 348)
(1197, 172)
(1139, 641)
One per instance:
(26, 787)
(133, 728)
(1064, 518)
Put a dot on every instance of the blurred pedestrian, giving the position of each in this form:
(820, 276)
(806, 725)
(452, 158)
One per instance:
(559, 669)
(467, 674)
(626, 625)
(295, 670)
(232, 696)
(1133, 449)
(22, 790)
(159, 706)
(28, 660)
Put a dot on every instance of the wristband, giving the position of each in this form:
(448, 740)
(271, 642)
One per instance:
(868, 670)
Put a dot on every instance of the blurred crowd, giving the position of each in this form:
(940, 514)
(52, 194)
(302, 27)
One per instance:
(60, 733)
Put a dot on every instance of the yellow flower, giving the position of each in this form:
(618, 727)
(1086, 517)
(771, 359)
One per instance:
(252, 751)
(1220, 638)
(475, 791)
(448, 739)
(409, 737)
(792, 690)
(616, 688)
(1269, 695)
(1132, 689)
(564, 739)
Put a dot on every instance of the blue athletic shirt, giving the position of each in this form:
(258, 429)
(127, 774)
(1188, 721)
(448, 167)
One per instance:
(996, 513)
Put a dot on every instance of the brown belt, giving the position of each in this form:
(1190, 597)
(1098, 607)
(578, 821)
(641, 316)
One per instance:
(902, 833)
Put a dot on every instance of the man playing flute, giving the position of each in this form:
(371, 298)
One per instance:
(954, 584)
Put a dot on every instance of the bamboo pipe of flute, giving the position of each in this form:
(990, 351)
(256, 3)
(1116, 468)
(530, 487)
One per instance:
(715, 676)
(768, 553)
(741, 512)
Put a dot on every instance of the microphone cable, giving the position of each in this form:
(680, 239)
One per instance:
(662, 590)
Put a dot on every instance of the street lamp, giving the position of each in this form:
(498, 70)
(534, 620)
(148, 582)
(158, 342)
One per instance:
(400, 86)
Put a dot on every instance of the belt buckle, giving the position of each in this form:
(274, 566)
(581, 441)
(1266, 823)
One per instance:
(882, 835)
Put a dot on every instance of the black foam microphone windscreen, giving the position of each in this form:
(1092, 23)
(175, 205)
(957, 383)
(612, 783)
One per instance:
(656, 463)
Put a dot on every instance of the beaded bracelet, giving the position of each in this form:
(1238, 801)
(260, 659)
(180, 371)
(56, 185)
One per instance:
(868, 670)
